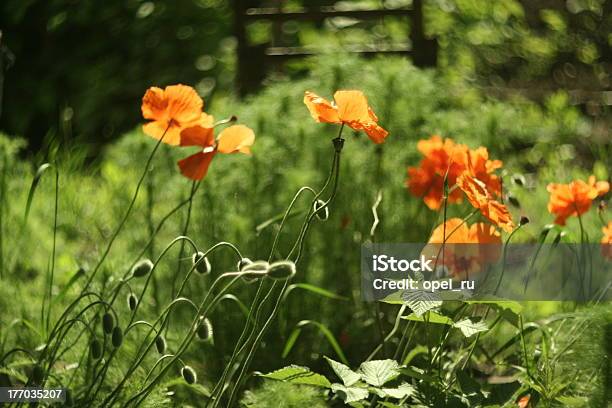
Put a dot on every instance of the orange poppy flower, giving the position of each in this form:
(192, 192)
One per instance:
(171, 110)
(446, 158)
(523, 402)
(483, 169)
(481, 198)
(233, 139)
(463, 261)
(575, 198)
(606, 241)
(441, 158)
(350, 108)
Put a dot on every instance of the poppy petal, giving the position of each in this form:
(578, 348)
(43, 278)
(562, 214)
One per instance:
(201, 134)
(320, 109)
(376, 133)
(196, 166)
(352, 106)
(154, 104)
(171, 134)
(184, 103)
(237, 138)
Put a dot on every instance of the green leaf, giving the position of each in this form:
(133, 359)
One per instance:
(400, 392)
(314, 289)
(323, 329)
(350, 394)
(379, 372)
(469, 327)
(421, 301)
(499, 303)
(348, 376)
(39, 173)
(298, 375)
(417, 373)
(432, 317)
(60, 296)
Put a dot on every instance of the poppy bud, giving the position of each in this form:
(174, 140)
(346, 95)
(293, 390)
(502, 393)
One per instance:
(602, 206)
(205, 329)
(142, 268)
(117, 337)
(189, 375)
(96, 349)
(338, 144)
(558, 237)
(519, 180)
(524, 220)
(108, 322)
(132, 301)
(257, 266)
(321, 210)
(514, 201)
(38, 374)
(281, 270)
(160, 344)
(244, 262)
(201, 265)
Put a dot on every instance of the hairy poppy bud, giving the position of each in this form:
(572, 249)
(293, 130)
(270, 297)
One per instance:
(514, 201)
(338, 144)
(189, 375)
(201, 265)
(117, 337)
(132, 301)
(321, 210)
(243, 263)
(108, 323)
(602, 206)
(519, 179)
(558, 238)
(38, 374)
(204, 330)
(524, 220)
(142, 268)
(281, 270)
(256, 267)
(96, 349)
(160, 344)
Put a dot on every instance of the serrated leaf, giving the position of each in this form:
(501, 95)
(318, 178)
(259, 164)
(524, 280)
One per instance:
(298, 375)
(379, 372)
(350, 394)
(404, 390)
(469, 327)
(348, 376)
(420, 301)
(432, 317)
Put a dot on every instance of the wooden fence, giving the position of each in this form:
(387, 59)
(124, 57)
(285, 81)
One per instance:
(255, 61)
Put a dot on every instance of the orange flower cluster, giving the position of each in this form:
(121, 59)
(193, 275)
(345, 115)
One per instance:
(606, 241)
(575, 198)
(349, 108)
(177, 119)
(445, 158)
(463, 261)
(466, 171)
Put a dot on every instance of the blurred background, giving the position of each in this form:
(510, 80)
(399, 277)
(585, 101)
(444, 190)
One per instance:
(72, 70)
